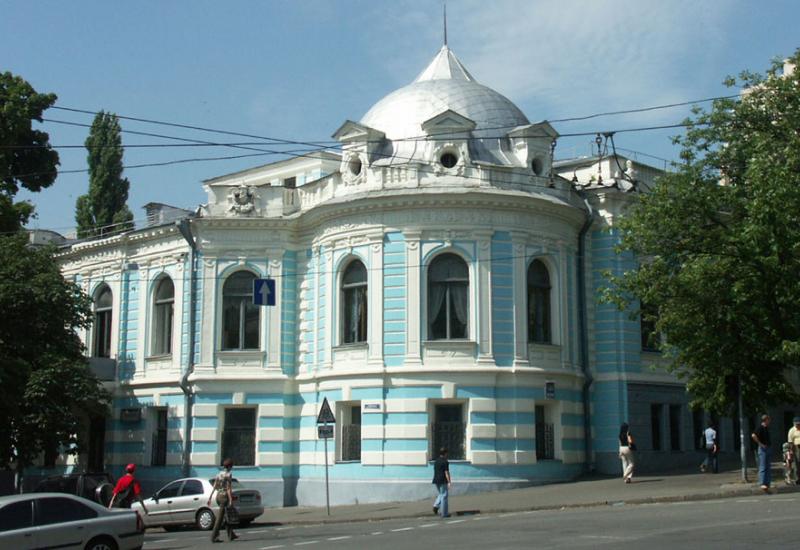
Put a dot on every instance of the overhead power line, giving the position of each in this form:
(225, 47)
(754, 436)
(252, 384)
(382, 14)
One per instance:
(322, 143)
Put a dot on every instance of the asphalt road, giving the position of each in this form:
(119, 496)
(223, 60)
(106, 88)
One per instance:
(763, 521)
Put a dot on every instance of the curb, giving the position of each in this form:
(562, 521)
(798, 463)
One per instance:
(743, 492)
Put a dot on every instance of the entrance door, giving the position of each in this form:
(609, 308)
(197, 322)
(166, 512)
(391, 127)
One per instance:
(97, 444)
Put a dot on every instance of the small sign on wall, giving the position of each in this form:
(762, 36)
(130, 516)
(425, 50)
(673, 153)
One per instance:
(549, 390)
(371, 407)
(130, 415)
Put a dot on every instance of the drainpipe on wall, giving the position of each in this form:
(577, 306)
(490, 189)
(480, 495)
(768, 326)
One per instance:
(584, 336)
(184, 226)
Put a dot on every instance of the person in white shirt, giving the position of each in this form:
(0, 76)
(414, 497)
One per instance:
(712, 450)
(793, 438)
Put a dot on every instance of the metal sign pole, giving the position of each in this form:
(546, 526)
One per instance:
(327, 492)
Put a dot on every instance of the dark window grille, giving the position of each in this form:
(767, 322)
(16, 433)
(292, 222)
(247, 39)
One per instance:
(351, 435)
(239, 436)
(698, 431)
(158, 456)
(449, 431)
(655, 425)
(351, 442)
(675, 427)
(545, 436)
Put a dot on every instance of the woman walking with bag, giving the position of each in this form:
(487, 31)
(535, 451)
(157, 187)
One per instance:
(223, 488)
(626, 448)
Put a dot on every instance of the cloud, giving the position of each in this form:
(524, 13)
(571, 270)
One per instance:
(558, 58)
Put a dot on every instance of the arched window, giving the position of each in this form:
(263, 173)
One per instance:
(101, 338)
(538, 303)
(240, 317)
(448, 298)
(354, 303)
(163, 310)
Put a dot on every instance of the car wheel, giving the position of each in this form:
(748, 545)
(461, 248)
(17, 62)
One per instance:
(205, 519)
(102, 543)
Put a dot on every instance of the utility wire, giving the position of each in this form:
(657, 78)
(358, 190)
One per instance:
(413, 138)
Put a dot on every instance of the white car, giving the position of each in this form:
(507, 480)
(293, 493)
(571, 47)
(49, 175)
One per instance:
(185, 502)
(57, 520)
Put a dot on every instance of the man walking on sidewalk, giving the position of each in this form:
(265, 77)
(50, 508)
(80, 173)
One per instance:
(441, 478)
(793, 438)
(712, 450)
(762, 439)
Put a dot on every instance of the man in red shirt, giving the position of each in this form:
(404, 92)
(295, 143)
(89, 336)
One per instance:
(127, 490)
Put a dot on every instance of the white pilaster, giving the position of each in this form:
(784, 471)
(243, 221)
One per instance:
(273, 313)
(520, 300)
(484, 301)
(330, 294)
(375, 300)
(413, 298)
(315, 270)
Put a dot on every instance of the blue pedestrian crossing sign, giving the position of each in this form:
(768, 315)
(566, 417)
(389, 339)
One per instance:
(264, 292)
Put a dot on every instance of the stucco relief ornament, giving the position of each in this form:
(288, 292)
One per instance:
(241, 199)
(461, 153)
(353, 169)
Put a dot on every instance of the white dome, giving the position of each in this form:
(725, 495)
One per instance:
(444, 84)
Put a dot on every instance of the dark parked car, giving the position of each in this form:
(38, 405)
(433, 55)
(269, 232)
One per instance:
(96, 487)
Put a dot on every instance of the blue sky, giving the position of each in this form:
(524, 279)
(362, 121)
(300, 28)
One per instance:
(297, 69)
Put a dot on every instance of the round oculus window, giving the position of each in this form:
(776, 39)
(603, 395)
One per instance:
(448, 160)
(537, 166)
(354, 166)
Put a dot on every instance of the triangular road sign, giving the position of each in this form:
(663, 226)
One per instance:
(325, 414)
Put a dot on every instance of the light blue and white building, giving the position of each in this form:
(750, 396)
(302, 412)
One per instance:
(435, 281)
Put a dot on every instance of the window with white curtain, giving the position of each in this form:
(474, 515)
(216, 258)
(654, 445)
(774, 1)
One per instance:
(448, 298)
(539, 303)
(240, 316)
(101, 332)
(163, 312)
(354, 303)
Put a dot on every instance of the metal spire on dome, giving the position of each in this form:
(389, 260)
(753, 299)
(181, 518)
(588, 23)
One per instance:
(444, 9)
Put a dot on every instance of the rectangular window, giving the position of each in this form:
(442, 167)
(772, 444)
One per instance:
(655, 425)
(102, 334)
(158, 453)
(449, 430)
(351, 431)
(239, 436)
(698, 430)
(650, 337)
(162, 334)
(290, 183)
(545, 435)
(675, 427)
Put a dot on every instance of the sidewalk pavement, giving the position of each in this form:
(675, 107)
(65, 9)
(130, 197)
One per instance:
(584, 492)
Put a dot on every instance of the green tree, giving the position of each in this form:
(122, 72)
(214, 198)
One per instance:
(719, 241)
(26, 158)
(47, 392)
(103, 209)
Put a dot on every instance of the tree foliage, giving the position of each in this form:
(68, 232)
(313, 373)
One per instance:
(26, 158)
(47, 391)
(719, 241)
(103, 209)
